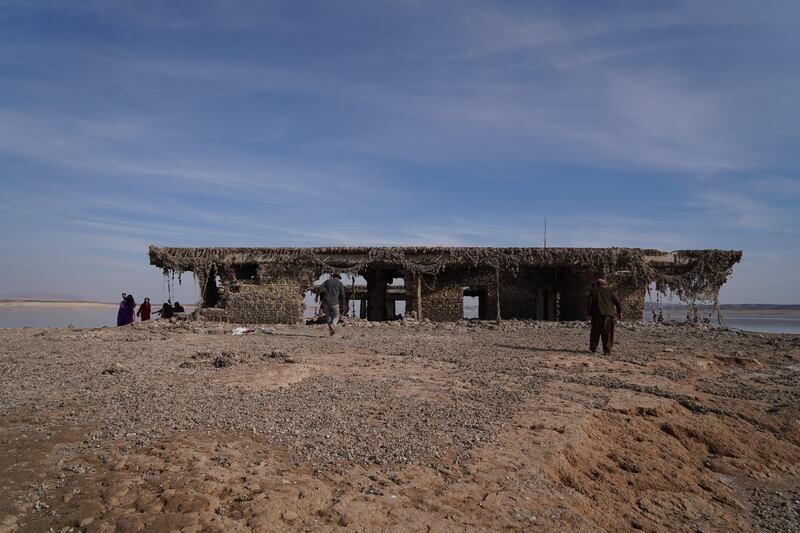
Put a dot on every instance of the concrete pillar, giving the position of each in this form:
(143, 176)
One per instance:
(418, 296)
(539, 304)
(497, 292)
(389, 307)
(377, 280)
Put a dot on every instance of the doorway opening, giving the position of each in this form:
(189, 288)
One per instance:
(475, 303)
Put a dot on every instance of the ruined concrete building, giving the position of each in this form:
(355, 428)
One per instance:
(268, 285)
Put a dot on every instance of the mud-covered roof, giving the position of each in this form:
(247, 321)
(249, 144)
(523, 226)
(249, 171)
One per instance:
(690, 273)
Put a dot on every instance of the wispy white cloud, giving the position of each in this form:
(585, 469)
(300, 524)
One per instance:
(732, 208)
(358, 124)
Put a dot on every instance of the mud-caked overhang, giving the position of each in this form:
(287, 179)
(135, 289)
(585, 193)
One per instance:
(268, 285)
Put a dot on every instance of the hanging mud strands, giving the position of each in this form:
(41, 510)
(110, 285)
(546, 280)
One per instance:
(556, 305)
(166, 272)
(352, 293)
(710, 267)
(650, 299)
(669, 304)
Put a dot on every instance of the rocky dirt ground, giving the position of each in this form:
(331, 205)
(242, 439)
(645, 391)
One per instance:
(398, 426)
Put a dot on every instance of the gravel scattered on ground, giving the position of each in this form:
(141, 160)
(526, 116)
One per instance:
(462, 425)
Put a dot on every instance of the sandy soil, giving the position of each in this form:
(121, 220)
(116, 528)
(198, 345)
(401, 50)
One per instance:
(398, 427)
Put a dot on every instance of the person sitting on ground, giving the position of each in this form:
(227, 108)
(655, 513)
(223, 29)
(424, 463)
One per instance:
(601, 305)
(178, 308)
(165, 311)
(332, 295)
(144, 310)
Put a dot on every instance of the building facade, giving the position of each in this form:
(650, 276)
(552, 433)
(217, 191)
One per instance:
(268, 285)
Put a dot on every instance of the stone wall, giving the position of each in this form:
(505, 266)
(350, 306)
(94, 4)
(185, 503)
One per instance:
(532, 294)
(274, 297)
(632, 300)
(443, 297)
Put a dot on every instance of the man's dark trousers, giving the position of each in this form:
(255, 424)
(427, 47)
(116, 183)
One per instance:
(602, 327)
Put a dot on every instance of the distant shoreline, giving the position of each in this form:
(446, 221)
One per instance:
(56, 304)
(88, 304)
(62, 304)
(730, 310)
(666, 305)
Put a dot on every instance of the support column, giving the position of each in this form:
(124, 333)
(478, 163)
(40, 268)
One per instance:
(497, 292)
(376, 294)
(389, 307)
(419, 296)
(556, 305)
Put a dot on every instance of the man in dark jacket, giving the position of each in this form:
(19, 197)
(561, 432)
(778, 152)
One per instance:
(332, 295)
(601, 307)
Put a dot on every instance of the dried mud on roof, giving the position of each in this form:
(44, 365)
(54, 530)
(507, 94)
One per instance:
(398, 426)
(694, 275)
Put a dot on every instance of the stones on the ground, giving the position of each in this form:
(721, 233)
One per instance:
(115, 369)
(280, 355)
(330, 422)
(222, 361)
(40, 506)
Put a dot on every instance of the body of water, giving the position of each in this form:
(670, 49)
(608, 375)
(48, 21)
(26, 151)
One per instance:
(764, 324)
(57, 317)
(60, 317)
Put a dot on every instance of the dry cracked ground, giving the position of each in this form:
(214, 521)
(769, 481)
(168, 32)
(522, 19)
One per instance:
(398, 427)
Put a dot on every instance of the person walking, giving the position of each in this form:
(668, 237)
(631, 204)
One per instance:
(332, 295)
(602, 305)
(144, 310)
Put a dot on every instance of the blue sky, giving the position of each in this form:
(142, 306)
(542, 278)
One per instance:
(207, 123)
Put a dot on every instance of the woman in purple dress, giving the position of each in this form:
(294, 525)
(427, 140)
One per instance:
(127, 309)
(121, 314)
(131, 309)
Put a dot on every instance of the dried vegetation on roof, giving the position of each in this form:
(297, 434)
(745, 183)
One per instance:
(694, 275)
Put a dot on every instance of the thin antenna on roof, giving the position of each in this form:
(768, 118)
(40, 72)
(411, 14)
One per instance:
(545, 232)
